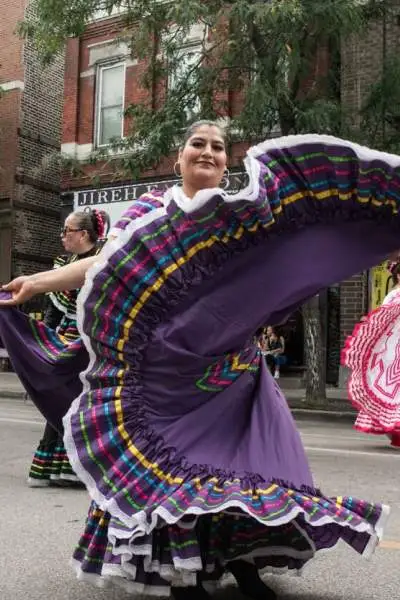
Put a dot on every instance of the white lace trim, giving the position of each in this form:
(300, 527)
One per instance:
(290, 141)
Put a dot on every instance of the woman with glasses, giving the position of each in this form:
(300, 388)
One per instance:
(82, 236)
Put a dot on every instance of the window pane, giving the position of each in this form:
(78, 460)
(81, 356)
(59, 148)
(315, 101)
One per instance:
(110, 124)
(189, 58)
(112, 86)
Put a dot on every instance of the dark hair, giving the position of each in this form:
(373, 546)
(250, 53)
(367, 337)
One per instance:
(194, 126)
(395, 272)
(95, 222)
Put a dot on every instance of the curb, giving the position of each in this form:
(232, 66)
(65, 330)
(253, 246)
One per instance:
(297, 412)
(323, 415)
(13, 395)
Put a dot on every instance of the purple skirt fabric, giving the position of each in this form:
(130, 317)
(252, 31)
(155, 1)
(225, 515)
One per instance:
(183, 439)
(47, 364)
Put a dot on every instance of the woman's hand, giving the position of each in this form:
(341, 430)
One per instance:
(69, 277)
(22, 289)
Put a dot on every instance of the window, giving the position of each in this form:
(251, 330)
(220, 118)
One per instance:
(110, 103)
(189, 58)
(106, 14)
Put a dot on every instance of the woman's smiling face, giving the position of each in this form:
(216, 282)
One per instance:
(203, 159)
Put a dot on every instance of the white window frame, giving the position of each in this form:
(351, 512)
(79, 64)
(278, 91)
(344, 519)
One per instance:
(189, 47)
(101, 67)
(102, 15)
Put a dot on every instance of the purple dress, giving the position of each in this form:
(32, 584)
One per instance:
(183, 439)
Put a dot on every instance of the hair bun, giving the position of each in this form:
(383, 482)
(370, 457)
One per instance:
(392, 266)
(98, 222)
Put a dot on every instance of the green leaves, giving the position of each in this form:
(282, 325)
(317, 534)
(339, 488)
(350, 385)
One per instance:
(269, 55)
(381, 110)
(53, 21)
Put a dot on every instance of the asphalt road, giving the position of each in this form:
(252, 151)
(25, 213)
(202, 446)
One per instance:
(39, 527)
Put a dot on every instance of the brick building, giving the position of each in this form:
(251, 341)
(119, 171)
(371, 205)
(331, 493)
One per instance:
(362, 64)
(101, 78)
(30, 125)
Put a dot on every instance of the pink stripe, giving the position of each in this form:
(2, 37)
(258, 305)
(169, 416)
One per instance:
(138, 490)
(376, 177)
(204, 494)
(103, 449)
(219, 381)
(310, 171)
(138, 267)
(41, 331)
(134, 272)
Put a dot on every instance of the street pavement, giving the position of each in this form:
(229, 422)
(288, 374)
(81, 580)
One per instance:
(39, 527)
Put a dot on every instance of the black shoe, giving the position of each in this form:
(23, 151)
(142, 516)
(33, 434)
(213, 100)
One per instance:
(249, 581)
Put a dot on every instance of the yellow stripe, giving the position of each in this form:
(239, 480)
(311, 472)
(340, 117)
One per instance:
(333, 191)
(238, 234)
(161, 280)
(240, 366)
(143, 460)
(207, 244)
(158, 284)
(168, 271)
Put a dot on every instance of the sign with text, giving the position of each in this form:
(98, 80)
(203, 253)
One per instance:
(115, 200)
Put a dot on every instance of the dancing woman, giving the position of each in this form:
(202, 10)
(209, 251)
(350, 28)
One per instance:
(82, 236)
(372, 354)
(181, 435)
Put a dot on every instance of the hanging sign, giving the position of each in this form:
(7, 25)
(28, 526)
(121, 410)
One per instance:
(380, 284)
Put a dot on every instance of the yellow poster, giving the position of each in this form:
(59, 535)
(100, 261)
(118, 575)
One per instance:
(380, 284)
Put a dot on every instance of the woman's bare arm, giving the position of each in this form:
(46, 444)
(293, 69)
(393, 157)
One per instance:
(68, 277)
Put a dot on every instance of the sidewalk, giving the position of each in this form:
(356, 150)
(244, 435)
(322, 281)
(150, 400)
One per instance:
(11, 387)
(337, 405)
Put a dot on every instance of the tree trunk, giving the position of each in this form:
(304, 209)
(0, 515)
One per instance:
(315, 359)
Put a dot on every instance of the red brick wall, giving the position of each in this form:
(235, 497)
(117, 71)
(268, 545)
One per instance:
(79, 99)
(11, 69)
(11, 47)
(10, 104)
(71, 91)
(30, 124)
(362, 60)
(353, 303)
(79, 102)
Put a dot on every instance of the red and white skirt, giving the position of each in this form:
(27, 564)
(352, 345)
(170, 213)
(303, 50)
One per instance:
(372, 353)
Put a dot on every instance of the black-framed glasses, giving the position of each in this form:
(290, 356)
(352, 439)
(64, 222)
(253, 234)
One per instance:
(66, 230)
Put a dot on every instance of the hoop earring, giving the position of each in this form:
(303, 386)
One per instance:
(225, 183)
(178, 175)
